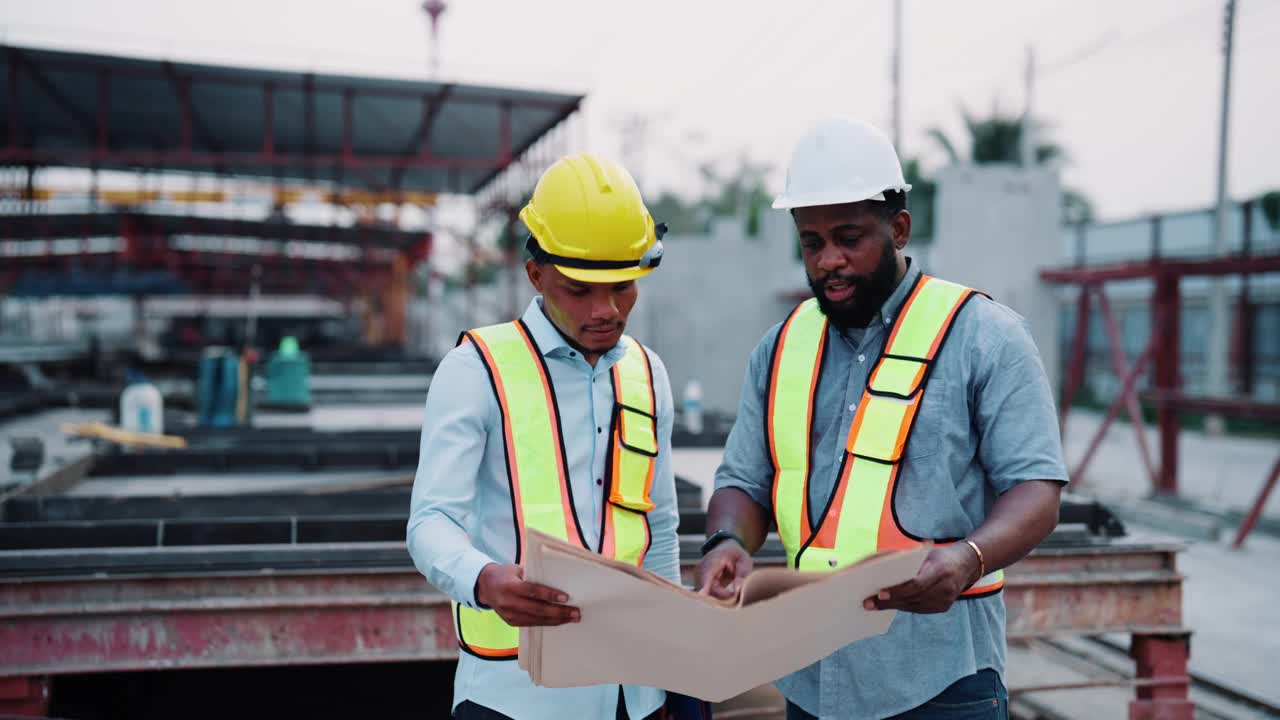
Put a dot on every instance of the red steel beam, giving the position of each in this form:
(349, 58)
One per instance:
(1079, 356)
(163, 158)
(1130, 398)
(62, 626)
(1230, 265)
(1255, 512)
(221, 622)
(1229, 407)
(1126, 395)
(24, 696)
(1165, 656)
(1167, 330)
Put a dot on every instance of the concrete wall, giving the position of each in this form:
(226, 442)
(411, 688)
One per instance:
(996, 227)
(703, 310)
(713, 298)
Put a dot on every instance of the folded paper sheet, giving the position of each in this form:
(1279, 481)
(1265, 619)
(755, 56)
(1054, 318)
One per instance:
(639, 629)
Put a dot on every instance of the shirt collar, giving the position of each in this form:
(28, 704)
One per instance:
(890, 309)
(549, 339)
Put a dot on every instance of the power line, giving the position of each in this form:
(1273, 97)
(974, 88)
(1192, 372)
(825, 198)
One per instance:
(1109, 40)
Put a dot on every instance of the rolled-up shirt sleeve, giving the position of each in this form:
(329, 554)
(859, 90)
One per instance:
(459, 405)
(746, 463)
(1014, 413)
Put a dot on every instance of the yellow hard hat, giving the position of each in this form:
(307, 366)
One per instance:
(587, 218)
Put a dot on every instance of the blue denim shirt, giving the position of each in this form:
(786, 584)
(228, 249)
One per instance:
(987, 422)
(460, 518)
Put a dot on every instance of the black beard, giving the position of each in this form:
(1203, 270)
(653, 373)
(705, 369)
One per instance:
(869, 295)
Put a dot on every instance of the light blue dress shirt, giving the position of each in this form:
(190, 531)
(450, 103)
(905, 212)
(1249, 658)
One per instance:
(986, 423)
(460, 517)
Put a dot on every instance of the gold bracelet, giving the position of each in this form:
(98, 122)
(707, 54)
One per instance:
(982, 563)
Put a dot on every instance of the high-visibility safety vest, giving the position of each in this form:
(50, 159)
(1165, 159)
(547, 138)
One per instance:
(538, 471)
(859, 518)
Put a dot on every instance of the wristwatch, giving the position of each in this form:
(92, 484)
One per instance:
(718, 537)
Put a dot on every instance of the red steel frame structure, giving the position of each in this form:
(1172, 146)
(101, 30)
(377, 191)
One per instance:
(96, 112)
(79, 625)
(1163, 352)
(148, 243)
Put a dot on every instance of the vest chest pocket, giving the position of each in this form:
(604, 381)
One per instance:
(635, 440)
(926, 432)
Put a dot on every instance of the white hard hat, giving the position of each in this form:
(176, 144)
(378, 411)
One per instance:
(840, 161)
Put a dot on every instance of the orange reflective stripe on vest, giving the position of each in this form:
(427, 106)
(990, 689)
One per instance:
(537, 469)
(859, 518)
(633, 454)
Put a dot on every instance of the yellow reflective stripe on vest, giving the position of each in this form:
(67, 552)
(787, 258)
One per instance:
(632, 457)
(531, 426)
(793, 384)
(880, 427)
(930, 309)
(898, 376)
(483, 634)
(537, 468)
(636, 443)
(987, 584)
(860, 520)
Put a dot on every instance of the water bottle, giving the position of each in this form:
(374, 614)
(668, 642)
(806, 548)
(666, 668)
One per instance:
(692, 407)
(141, 406)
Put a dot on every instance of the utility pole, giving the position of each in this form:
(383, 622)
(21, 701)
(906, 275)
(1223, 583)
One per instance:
(634, 131)
(1028, 135)
(1217, 357)
(895, 69)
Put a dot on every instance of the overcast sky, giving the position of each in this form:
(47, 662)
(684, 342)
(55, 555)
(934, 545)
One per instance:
(1130, 88)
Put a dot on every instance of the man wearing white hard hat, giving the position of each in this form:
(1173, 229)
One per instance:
(892, 409)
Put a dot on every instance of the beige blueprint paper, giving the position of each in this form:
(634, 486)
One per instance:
(639, 629)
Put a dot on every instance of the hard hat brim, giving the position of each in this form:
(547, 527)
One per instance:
(786, 202)
(604, 276)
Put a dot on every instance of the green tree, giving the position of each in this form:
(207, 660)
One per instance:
(737, 192)
(681, 216)
(1271, 208)
(997, 138)
(920, 201)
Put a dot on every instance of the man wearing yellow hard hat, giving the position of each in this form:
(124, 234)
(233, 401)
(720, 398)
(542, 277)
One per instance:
(557, 422)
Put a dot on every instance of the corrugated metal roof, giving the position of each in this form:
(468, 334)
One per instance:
(87, 110)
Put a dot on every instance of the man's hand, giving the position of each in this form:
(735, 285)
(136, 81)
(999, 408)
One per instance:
(947, 571)
(520, 603)
(721, 572)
